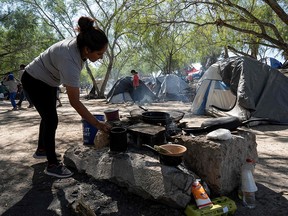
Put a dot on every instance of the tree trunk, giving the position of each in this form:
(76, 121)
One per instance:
(105, 81)
(226, 52)
(92, 93)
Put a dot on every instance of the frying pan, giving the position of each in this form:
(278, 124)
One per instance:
(230, 122)
(175, 115)
(170, 155)
(154, 117)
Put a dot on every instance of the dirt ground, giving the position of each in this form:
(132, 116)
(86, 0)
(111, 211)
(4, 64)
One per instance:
(26, 191)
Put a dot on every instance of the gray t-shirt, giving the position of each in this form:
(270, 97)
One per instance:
(59, 64)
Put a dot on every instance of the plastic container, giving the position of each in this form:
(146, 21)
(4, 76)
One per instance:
(221, 206)
(200, 195)
(89, 131)
(248, 186)
(206, 188)
(249, 199)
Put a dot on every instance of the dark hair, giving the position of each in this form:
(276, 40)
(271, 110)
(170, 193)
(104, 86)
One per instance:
(89, 35)
(133, 71)
(22, 66)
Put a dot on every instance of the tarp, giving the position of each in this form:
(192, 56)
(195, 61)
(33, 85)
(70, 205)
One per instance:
(259, 90)
(123, 91)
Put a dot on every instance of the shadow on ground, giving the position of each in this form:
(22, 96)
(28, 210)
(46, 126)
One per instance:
(268, 203)
(38, 199)
(49, 196)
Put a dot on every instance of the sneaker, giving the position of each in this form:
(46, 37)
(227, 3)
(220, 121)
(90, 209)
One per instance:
(42, 154)
(59, 171)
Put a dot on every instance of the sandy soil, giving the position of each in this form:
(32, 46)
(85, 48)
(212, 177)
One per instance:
(26, 190)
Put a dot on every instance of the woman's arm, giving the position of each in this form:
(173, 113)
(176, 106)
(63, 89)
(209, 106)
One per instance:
(74, 99)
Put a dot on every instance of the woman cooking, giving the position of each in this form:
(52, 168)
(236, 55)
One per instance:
(62, 64)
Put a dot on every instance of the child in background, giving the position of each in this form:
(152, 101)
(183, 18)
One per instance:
(135, 82)
(135, 79)
(12, 86)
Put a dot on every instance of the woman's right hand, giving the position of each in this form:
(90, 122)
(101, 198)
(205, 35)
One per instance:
(104, 126)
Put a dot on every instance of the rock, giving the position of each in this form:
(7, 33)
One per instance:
(140, 173)
(218, 162)
(82, 209)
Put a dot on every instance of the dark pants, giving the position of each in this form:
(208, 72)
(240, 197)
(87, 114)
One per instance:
(136, 95)
(43, 98)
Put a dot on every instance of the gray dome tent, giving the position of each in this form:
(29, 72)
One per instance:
(172, 88)
(252, 90)
(123, 91)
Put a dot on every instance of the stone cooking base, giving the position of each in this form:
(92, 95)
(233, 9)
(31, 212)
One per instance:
(139, 171)
(218, 163)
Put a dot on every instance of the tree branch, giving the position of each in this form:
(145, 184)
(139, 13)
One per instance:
(278, 10)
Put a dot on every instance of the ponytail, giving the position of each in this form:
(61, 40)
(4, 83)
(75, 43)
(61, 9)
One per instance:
(89, 35)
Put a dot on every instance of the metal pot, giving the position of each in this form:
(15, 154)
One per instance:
(118, 139)
(173, 155)
(112, 115)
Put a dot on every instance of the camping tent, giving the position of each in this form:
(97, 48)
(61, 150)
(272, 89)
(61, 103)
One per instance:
(272, 62)
(123, 91)
(252, 90)
(195, 76)
(172, 88)
(212, 91)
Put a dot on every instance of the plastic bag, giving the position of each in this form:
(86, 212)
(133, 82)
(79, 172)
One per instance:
(219, 134)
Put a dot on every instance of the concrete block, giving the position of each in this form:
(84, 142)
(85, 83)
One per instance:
(219, 163)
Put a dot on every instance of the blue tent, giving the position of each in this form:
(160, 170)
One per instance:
(272, 62)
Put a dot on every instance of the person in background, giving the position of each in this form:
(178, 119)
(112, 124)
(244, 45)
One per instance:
(135, 81)
(3, 91)
(62, 64)
(23, 93)
(151, 86)
(12, 86)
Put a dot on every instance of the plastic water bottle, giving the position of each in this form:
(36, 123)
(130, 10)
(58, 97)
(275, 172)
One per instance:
(249, 199)
(248, 185)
